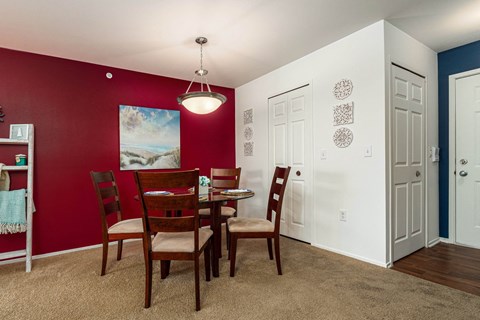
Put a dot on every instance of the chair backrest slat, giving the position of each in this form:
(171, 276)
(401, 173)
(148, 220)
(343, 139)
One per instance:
(277, 188)
(103, 176)
(272, 204)
(108, 192)
(167, 180)
(111, 207)
(224, 184)
(277, 191)
(170, 202)
(171, 224)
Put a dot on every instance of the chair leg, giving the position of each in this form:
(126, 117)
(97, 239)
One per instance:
(148, 282)
(104, 257)
(233, 253)
(206, 255)
(277, 255)
(197, 283)
(164, 268)
(227, 235)
(269, 244)
(119, 249)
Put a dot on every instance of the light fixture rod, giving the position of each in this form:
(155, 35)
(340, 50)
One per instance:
(208, 87)
(201, 56)
(191, 82)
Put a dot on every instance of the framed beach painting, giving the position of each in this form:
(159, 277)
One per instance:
(149, 138)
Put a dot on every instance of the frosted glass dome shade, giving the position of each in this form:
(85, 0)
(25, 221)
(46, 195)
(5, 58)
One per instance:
(201, 102)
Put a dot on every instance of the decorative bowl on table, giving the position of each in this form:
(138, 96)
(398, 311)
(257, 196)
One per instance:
(236, 192)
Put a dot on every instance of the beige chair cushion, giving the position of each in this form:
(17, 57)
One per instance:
(250, 225)
(179, 241)
(127, 226)
(226, 211)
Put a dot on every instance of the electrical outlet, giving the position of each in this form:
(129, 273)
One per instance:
(343, 215)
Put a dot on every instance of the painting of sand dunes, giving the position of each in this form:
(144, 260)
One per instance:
(149, 138)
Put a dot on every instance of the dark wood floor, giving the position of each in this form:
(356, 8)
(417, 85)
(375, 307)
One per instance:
(451, 265)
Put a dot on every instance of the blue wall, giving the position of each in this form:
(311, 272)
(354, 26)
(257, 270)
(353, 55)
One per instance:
(452, 61)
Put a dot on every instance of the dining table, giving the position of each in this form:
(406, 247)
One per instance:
(214, 200)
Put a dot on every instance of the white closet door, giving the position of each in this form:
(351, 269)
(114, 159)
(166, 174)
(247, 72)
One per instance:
(290, 144)
(408, 163)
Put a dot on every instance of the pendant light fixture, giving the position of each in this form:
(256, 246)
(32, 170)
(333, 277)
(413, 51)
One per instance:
(201, 102)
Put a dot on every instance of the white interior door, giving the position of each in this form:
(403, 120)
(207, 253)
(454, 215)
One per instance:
(467, 164)
(290, 132)
(408, 167)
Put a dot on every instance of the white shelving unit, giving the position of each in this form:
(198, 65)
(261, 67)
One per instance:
(29, 143)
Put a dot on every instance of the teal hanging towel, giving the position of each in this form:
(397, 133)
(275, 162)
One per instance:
(12, 211)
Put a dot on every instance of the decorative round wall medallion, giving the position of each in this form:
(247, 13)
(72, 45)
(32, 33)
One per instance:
(343, 89)
(248, 133)
(343, 137)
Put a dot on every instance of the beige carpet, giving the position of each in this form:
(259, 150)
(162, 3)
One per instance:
(316, 285)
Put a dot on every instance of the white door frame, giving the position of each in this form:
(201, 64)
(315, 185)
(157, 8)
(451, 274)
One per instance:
(452, 118)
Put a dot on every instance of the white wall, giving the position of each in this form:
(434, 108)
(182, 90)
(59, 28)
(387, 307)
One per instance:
(346, 179)
(407, 52)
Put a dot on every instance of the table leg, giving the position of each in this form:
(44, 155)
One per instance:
(217, 236)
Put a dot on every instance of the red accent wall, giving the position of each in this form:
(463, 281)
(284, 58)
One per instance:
(74, 108)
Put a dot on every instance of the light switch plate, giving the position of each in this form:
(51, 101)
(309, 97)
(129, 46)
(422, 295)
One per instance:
(368, 151)
(323, 154)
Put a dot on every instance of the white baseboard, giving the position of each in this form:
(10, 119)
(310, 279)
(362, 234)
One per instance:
(446, 240)
(13, 254)
(433, 242)
(377, 263)
(56, 253)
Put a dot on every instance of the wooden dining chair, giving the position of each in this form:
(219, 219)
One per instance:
(224, 179)
(108, 199)
(176, 238)
(262, 228)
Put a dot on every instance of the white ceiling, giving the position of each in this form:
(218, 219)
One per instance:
(247, 38)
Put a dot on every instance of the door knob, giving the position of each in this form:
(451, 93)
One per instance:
(417, 173)
(463, 173)
(298, 173)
